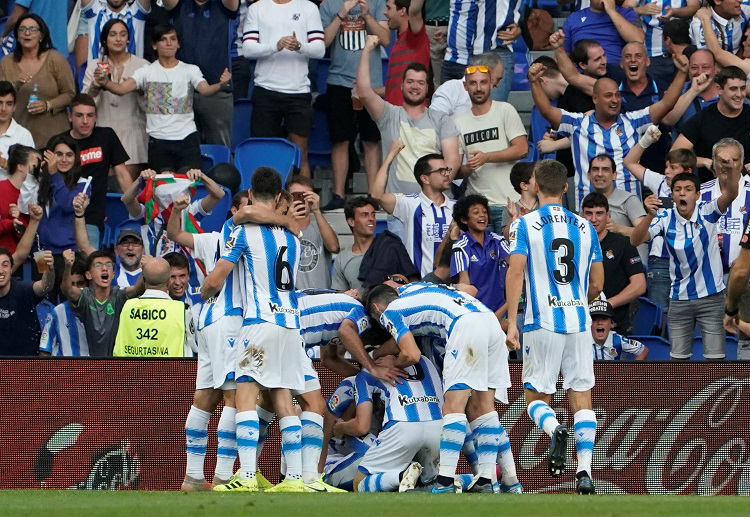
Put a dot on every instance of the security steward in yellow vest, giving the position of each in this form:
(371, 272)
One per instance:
(154, 325)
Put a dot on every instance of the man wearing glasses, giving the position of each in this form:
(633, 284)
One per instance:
(425, 216)
(493, 139)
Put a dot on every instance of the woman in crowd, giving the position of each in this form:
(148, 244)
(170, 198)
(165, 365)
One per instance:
(22, 160)
(38, 70)
(124, 113)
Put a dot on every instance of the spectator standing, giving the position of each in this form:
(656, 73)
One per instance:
(723, 57)
(411, 45)
(347, 24)
(38, 70)
(452, 98)
(493, 138)
(11, 132)
(608, 344)
(421, 129)
(283, 35)
(500, 40)
(19, 323)
(624, 280)
(625, 208)
(22, 161)
(209, 24)
(728, 22)
(95, 14)
(55, 17)
(737, 296)
(425, 216)
(168, 84)
(554, 86)
(63, 334)
(124, 114)
(240, 65)
(437, 14)
(676, 36)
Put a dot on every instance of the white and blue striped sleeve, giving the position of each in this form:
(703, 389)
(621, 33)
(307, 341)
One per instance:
(358, 316)
(518, 237)
(459, 257)
(657, 225)
(363, 387)
(639, 118)
(631, 346)
(710, 210)
(394, 324)
(596, 248)
(235, 245)
(342, 397)
(49, 332)
(569, 122)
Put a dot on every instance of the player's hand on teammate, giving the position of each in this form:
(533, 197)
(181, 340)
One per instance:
(292, 224)
(354, 294)
(388, 373)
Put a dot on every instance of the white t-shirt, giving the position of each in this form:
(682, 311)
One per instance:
(169, 99)
(491, 132)
(451, 98)
(16, 134)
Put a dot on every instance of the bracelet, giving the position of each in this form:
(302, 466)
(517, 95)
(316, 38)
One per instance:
(80, 216)
(731, 313)
(340, 17)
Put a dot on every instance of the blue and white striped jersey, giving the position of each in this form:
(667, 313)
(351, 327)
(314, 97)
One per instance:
(418, 398)
(657, 183)
(430, 311)
(207, 247)
(614, 346)
(732, 223)
(473, 26)
(63, 334)
(123, 277)
(425, 225)
(414, 286)
(559, 247)
(728, 32)
(694, 259)
(589, 139)
(342, 397)
(321, 315)
(653, 27)
(271, 258)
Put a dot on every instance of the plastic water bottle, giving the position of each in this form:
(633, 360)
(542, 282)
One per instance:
(34, 95)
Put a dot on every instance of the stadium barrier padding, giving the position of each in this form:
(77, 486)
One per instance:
(663, 428)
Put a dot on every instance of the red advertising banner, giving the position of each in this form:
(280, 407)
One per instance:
(663, 428)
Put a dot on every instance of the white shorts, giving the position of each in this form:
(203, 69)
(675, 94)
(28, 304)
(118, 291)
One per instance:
(547, 354)
(404, 442)
(476, 356)
(216, 353)
(271, 356)
(311, 375)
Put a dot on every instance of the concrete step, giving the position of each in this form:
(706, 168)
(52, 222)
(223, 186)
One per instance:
(521, 100)
(559, 22)
(535, 54)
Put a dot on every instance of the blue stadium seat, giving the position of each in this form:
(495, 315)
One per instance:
(319, 145)
(115, 215)
(658, 347)
(520, 54)
(215, 220)
(321, 76)
(243, 112)
(213, 154)
(279, 153)
(731, 348)
(648, 318)
(381, 225)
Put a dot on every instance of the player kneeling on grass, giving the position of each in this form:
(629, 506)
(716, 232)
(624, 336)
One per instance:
(609, 345)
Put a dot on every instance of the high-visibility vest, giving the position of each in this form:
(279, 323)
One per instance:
(151, 327)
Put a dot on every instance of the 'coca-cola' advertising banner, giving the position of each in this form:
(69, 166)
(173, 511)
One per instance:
(663, 428)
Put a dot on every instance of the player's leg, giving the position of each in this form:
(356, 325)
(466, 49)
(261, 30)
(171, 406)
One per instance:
(223, 362)
(291, 440)
(340, 473)
(389, 461)
(485, 426)
(313, 408)
(226, 439)
(452, 435)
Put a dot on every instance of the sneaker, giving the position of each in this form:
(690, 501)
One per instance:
(335, 203)
(263, 483)
(557, 451)
(320, 486)
(288, 485)
(480, 486)
(410, 477)
(442, 489)
(515, 488)
(195, 485)
(239, 484)
(584, 484)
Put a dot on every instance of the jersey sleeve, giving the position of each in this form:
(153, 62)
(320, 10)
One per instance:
(632, 346)
(657, 225)
(459, 257)
(394, 324)
(364, 387)
(358, 316)
(206, 247)
(342, 397)
(49, 332)
(518, 238)
(235, 245)
(403, 207)
(596, 247)
(569, 122)
(639, 118)
(710, 211)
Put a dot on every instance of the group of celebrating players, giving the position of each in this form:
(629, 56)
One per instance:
(433, 360)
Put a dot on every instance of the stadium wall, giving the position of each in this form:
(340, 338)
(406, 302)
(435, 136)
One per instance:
(664, 428)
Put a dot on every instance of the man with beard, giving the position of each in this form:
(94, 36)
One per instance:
(493, 139)
(421, 129)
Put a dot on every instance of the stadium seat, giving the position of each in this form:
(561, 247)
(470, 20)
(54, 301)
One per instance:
(521, 69)
(213, 154)
(243, 112)
(658, 347)
(647, 320)
(321, 74)
(115, 215)
(730, 348)
(279, 153)
(381, 225)
(319, 145)
(215, 220)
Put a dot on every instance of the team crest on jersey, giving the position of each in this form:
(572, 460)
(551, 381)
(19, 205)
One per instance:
(390, 329)
(610, 254)
(493, 254)
(618, 131)
(230, 243)
(362, 324)
(296, 16)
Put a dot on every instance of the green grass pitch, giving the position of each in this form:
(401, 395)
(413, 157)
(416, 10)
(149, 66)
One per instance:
(125, 503)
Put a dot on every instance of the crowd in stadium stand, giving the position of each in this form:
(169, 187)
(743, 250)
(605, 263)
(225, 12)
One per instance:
(645, 103)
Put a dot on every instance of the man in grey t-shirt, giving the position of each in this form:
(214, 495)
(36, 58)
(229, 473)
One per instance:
(99, 305)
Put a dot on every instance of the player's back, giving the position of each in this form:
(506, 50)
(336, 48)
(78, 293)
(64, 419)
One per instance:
(271, 258)
(322, 312)
(560, 247)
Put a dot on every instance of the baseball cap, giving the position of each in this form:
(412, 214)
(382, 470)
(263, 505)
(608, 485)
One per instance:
(600, 308)
(129, 232)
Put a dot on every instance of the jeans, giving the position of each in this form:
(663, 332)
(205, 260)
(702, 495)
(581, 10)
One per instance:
(659, 282)
(498, 218)
(708, 312)
(92, 231)
(451, 70)
(502, 90)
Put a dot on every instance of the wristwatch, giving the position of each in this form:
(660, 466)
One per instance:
(731, 313)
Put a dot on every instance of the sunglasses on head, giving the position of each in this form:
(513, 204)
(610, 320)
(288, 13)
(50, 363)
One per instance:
(477, 68)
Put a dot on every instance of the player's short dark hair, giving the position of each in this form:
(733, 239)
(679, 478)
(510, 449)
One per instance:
(463, 205)
(729, 72)
(402, 4)
(594, 200)
(238, 197)
(107, 254)
(684, 157)
(177, 260)
(581, 48)
(161, 30)
(299, 179)
(521, 173)
(5, 251)
(265, 183)
(687, 176)
(6, 88)
(551, 177)
(602, 156)
(382, 294)
(82, 99)
(358, 202)
(677, 30)
(417, 67)
(423, 167)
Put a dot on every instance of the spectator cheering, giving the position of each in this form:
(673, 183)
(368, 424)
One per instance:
(411, 46)
(608, 344)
